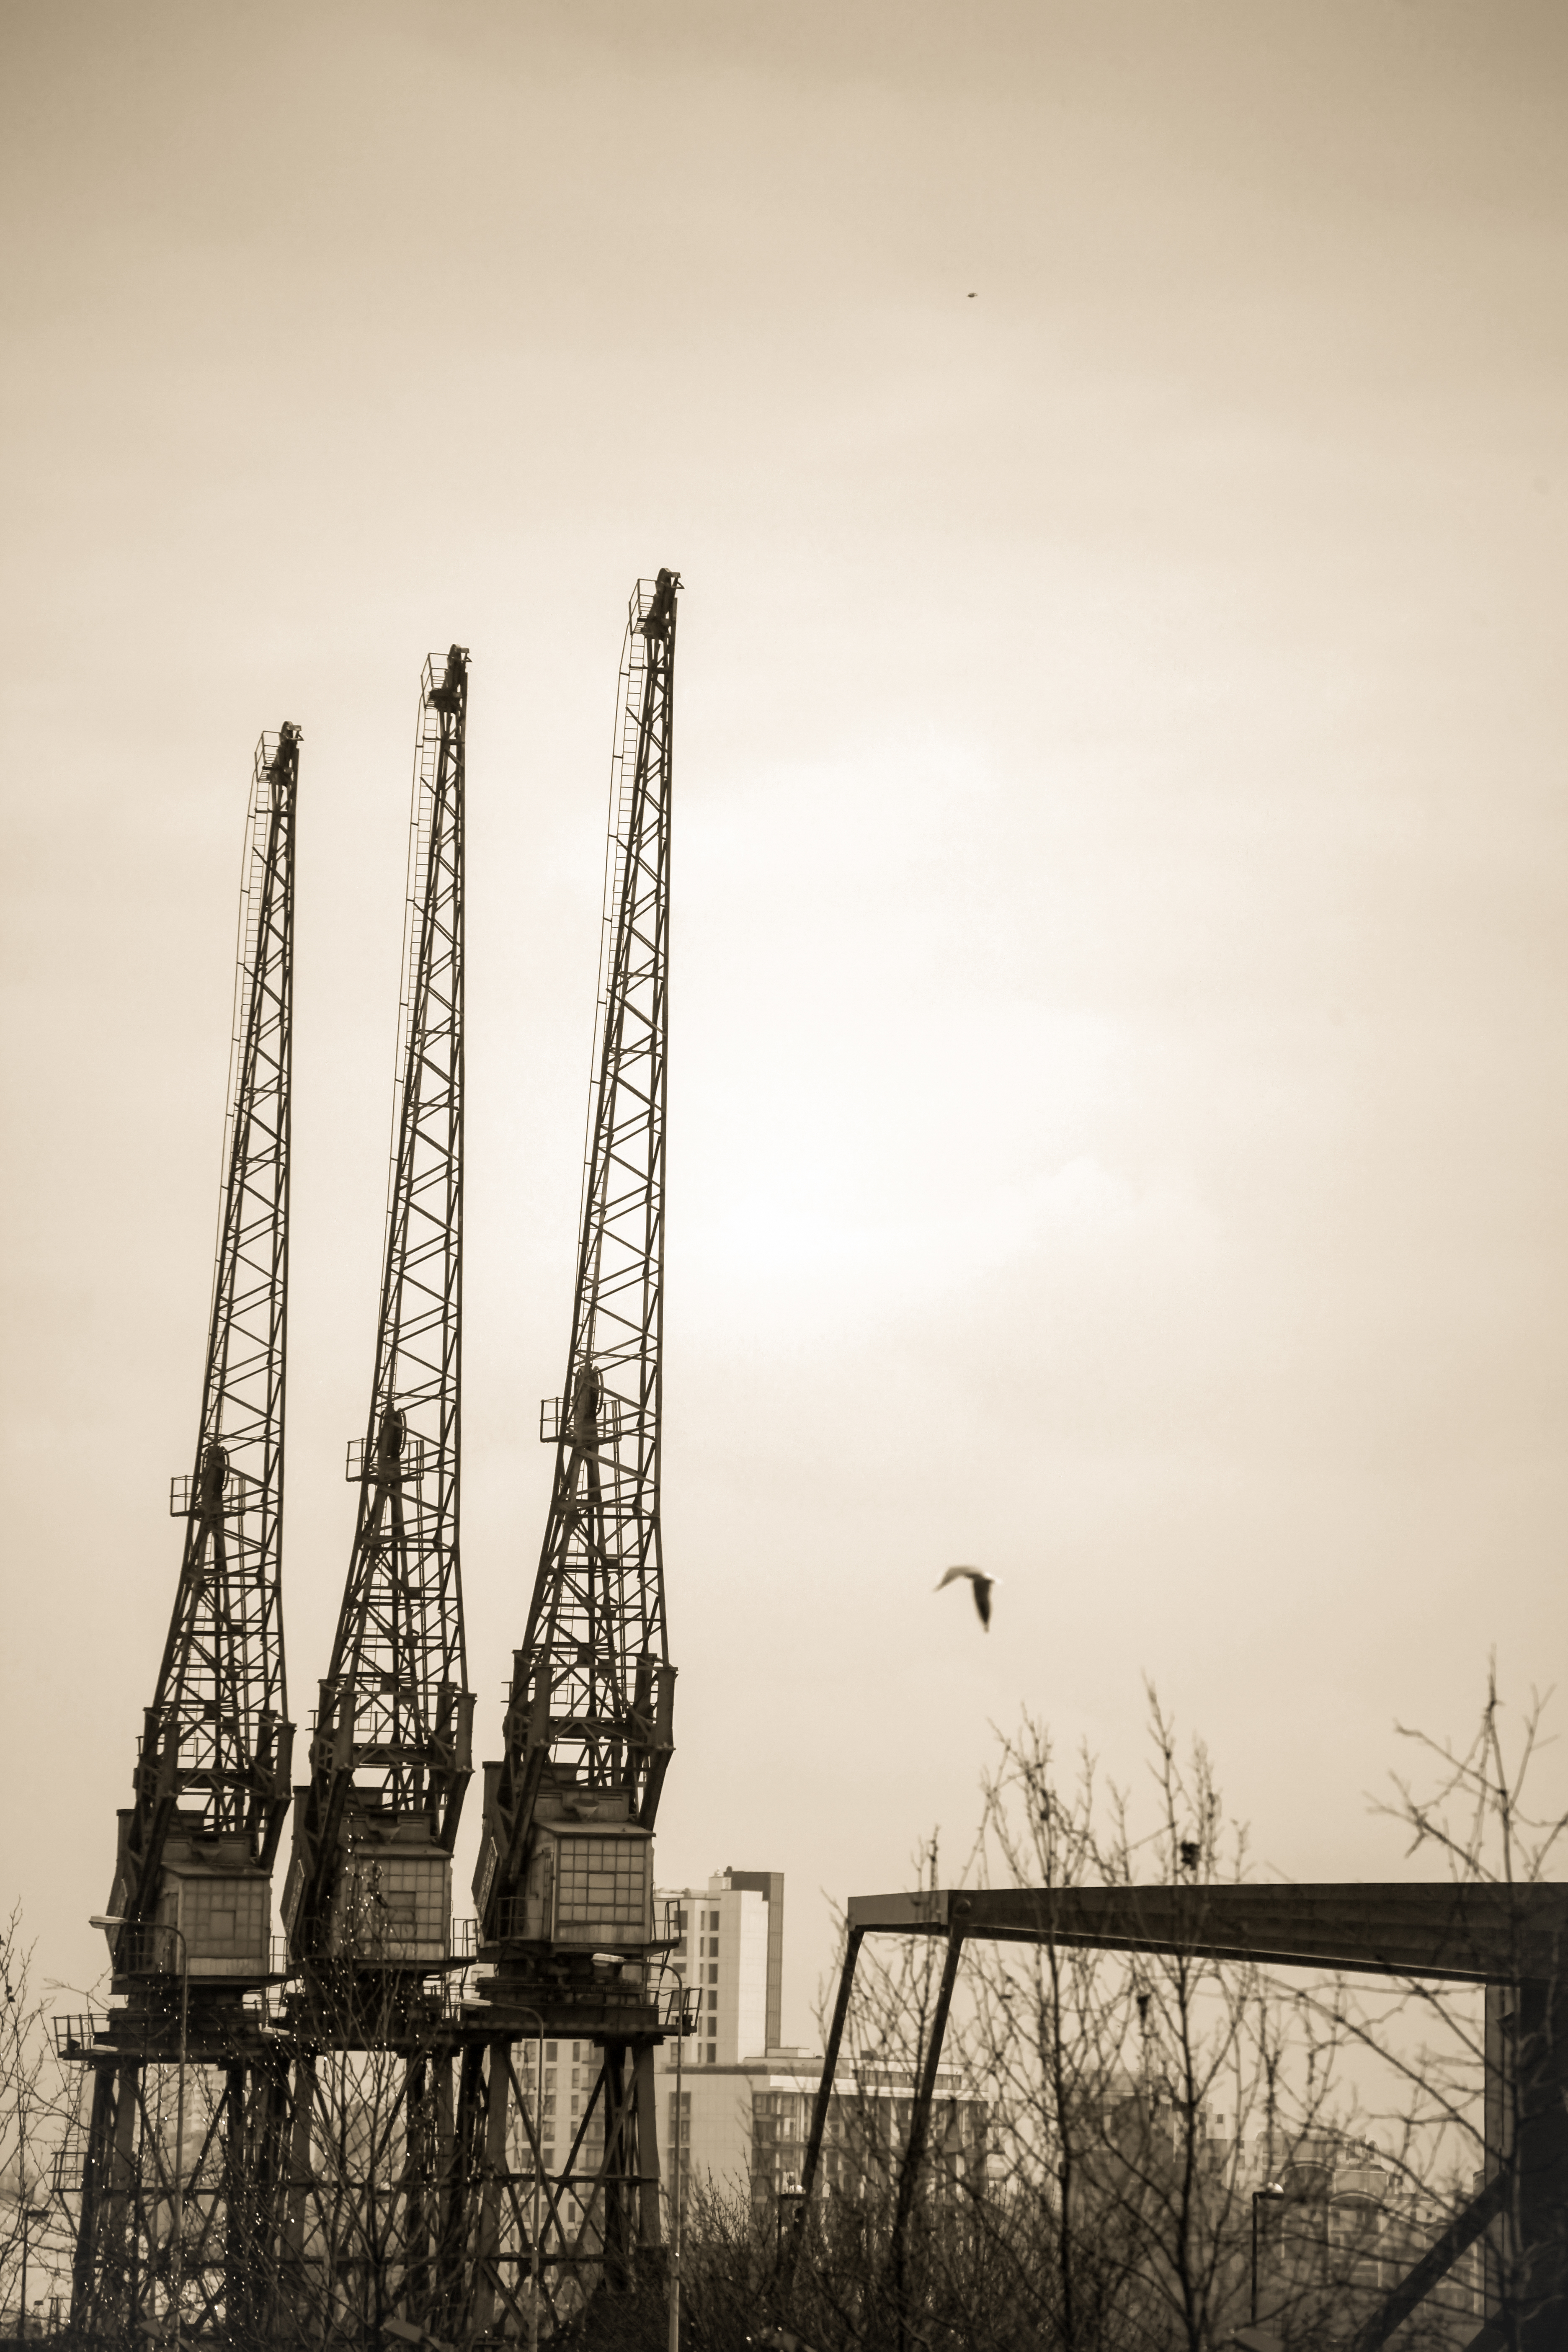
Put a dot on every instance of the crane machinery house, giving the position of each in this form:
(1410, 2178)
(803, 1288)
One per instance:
(394, 1901)
(588, 1880)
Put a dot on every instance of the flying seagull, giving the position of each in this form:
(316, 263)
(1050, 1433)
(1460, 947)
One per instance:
(980, 1584)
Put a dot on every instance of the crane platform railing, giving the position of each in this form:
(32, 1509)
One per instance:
(616, 1419)
(240, 1493)
(419, 1455)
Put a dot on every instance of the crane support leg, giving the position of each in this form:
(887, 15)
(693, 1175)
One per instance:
(237, 2192)
(290, 2295)
(619, 2158)
(104, 2282)
(650, 2220)
(493, 2167)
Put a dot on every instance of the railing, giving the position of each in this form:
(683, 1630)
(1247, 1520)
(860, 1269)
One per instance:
(613, 1410)
(679, 2009)
(78, 2032)
(236, 1495)
(464, 1941)
(410, 1462)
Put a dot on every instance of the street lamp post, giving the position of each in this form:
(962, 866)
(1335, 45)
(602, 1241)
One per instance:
(118, 1919)
(676, 2014)
(1271, 2195)
(674, 2177)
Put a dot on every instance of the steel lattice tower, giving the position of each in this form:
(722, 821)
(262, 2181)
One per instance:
(368, 1901)
(369, 1891)
(564, 1882)
(193, 1874)
(593, 1688)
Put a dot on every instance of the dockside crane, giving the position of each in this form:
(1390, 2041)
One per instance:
(564, 1881)
(368, 1899)
(189, 1916)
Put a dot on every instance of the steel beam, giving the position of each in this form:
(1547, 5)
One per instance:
(1463, 1934)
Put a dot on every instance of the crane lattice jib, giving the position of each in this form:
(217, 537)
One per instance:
(393, 1721)
(593, 1688)
(215, 1745)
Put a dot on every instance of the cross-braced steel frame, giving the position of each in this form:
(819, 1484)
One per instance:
(392, 1735)
(593, 1688)
(216, 1742)
(231, 2190)
(598, 2214)
(213, 1763)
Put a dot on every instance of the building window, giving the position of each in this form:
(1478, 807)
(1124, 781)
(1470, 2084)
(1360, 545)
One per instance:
(714, 1919)
(712, 1972)
(712, 2001)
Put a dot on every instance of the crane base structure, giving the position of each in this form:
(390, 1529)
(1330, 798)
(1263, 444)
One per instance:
(522, 2227)
(122, 2166)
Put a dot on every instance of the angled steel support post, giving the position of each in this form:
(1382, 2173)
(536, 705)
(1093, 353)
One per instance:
(919, 2118)
(824, 2097)
(1417, 2282)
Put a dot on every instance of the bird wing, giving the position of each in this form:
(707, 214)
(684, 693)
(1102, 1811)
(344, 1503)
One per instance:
(949, 1574)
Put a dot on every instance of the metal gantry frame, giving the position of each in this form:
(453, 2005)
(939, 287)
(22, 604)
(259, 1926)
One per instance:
(212, 1777)
(1511, 1941)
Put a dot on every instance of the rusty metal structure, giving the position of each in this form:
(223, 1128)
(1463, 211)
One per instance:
(189, 1916)
(368, 1900)
(367, 2160)
(1511, 1941)
(564, 1882)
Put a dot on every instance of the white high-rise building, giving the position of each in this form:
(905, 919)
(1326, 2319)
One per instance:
(729, 1942)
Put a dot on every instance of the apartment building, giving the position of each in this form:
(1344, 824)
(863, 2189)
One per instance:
(743, 2128)
(728, 1939)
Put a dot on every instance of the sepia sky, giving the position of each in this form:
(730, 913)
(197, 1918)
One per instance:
(1117, 1130)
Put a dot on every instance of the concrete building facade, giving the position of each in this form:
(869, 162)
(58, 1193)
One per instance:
(728, 1939)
